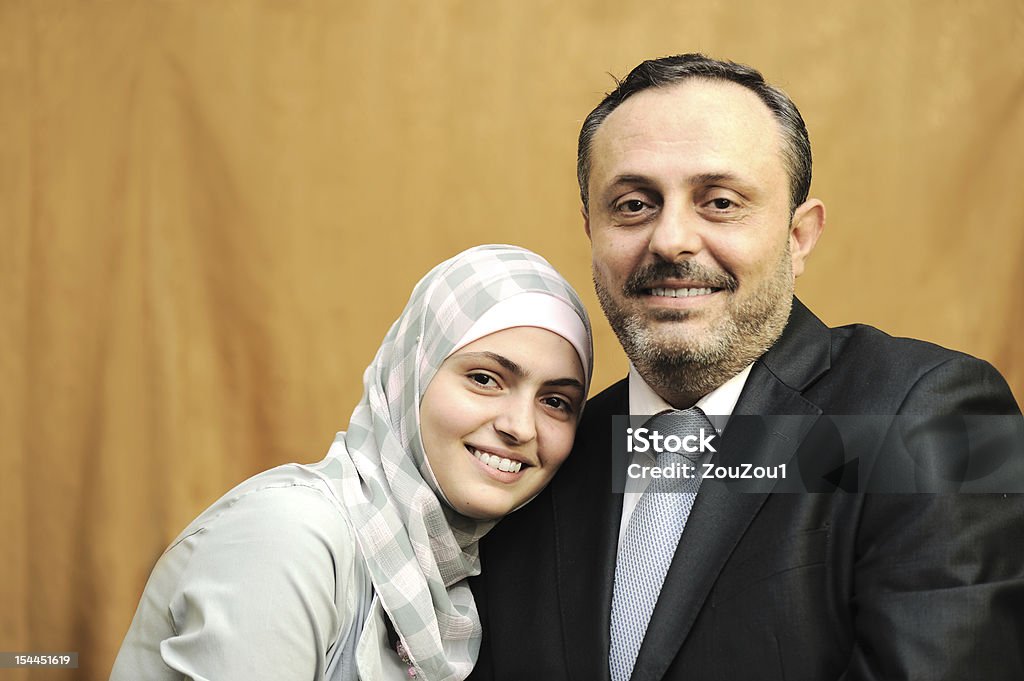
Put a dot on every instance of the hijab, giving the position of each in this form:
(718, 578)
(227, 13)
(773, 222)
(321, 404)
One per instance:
(417, 549)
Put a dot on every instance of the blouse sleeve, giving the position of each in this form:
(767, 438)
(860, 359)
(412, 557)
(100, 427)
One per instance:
(261, 590)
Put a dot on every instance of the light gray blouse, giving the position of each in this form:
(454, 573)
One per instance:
(268, 583)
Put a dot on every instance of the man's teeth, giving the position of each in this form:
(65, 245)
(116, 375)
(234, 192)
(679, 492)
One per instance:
(495, 461)
(680, 292)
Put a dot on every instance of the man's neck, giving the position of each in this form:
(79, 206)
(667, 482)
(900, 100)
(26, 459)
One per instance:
(644, 399)
(685, 385)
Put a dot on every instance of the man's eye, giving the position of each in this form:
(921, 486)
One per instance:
(632, 206)
(722, 204)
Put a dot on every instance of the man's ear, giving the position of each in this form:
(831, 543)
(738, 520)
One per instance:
(586, 219)
(804, 230)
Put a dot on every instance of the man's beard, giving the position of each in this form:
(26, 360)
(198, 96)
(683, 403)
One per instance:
(689, 367)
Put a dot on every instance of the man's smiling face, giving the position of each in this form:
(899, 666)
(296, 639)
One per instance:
(689, 219)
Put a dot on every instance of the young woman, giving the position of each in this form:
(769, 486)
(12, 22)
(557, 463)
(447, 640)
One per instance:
(355, 567)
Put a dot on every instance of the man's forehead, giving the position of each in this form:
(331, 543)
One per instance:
(696, 116)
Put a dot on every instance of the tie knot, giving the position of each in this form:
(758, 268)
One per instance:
(686, 432)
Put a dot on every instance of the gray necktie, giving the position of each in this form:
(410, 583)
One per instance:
(650, 541)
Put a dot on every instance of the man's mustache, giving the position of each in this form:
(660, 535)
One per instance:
(644, 278)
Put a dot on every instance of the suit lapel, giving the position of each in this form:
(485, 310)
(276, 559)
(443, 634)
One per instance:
(587, 516)
(720, 517)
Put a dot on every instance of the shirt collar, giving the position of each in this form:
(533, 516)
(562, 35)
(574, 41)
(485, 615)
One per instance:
(719, 402)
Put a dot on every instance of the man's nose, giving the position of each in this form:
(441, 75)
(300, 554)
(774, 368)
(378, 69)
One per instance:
(516, 421)
(677, 233)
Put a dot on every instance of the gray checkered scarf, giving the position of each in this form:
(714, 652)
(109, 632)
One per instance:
(417, 549)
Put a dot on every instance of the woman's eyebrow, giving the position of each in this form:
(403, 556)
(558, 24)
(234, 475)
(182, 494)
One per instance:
(564, 383)
(500, 359)
(520, 372)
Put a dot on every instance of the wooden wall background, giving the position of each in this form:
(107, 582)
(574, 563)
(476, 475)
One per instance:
(210, 212)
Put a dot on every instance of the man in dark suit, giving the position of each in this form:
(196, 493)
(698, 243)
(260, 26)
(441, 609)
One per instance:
(694, 175)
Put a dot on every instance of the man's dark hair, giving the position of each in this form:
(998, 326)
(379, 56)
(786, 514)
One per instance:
(668, 71)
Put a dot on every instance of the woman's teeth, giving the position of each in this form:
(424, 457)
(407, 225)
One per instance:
(495, 461)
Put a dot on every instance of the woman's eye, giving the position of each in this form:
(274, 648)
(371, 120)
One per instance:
(558, 403)
(483, 380)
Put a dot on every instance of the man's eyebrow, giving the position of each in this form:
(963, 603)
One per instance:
(619, 182)
(715, 178)
(629, 179)
(694, 180)
(520, 372)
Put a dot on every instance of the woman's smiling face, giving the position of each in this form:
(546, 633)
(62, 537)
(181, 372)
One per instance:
(499, 418)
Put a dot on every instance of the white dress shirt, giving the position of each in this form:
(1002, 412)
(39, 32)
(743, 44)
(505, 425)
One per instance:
(644, 402)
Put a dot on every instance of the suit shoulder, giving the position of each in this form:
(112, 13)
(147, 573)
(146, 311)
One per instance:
(864, 357)
(860, 340)
(606, 398)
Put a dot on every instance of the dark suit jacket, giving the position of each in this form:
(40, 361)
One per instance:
(839, 585)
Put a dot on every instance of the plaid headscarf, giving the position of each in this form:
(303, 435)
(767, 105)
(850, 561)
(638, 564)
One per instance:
(417, 549)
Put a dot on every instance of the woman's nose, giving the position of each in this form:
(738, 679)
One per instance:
(517, 420)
